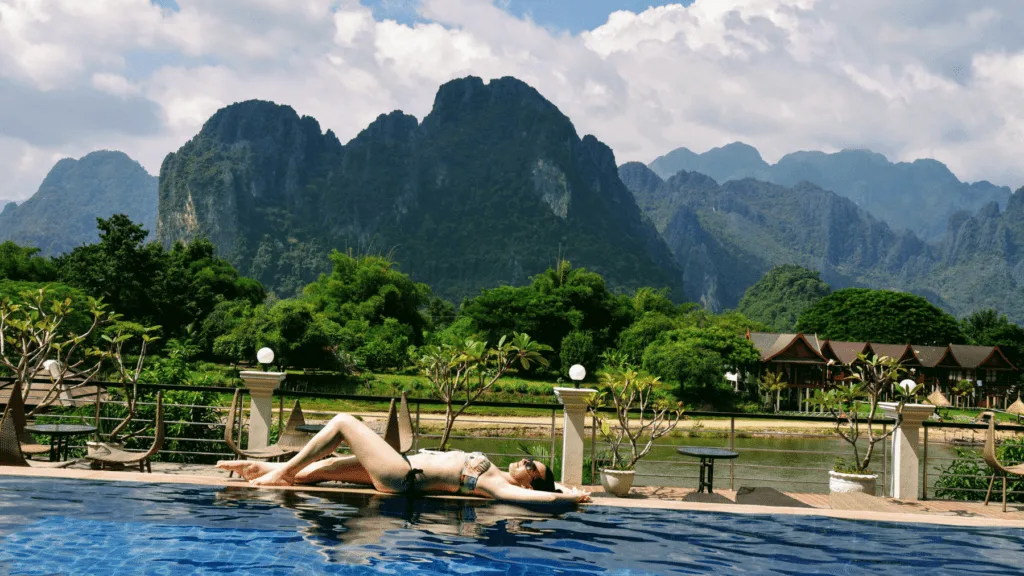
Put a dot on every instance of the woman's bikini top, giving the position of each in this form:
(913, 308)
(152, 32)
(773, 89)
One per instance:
(475, 465)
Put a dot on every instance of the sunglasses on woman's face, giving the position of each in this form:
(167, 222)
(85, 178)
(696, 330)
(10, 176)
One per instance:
(530, 465)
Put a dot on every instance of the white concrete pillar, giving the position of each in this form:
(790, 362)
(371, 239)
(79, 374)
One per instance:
(906, 461)
(574, 402)
(261, 387)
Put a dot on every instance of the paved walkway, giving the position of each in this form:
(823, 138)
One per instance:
(742, 501)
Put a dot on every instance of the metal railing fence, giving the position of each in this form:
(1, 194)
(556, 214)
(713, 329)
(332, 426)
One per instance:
(793, 470)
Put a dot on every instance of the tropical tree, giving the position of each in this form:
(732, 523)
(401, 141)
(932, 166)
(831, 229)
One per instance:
(772, 383)
(643, 413)
(697, 358)
(128, 343)
(782, 295)
(884, 316)
(470, 369)
(990, 328)
(34, 332)
(23, 263)
(869, 379)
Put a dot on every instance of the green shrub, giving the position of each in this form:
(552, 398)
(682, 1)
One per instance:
(967, 477)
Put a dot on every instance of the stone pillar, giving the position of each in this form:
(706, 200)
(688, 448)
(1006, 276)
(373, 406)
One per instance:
(574, 412)
(906, 461)
(261, 387)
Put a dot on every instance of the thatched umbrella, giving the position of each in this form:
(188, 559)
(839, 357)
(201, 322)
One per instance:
(1016, 408)
(938, 400)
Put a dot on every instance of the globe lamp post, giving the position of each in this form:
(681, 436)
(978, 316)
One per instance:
(577, 372)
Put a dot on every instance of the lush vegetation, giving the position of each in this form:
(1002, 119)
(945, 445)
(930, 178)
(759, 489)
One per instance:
(370, 327)
(967, 477)
(782, 295)
(865, 315)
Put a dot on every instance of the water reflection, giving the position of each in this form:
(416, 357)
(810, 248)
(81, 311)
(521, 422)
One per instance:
(358, 528)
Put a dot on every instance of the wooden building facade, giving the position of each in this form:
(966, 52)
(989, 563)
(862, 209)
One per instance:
(807, 362)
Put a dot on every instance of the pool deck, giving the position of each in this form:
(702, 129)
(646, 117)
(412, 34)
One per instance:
(742, 501)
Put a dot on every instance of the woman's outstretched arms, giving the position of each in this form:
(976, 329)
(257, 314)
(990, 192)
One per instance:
(511, 493)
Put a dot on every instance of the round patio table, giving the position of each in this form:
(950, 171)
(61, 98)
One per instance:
(60, 436)
(707, 462)
(310, 428)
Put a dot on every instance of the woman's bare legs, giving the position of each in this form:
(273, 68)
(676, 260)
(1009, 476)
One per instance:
(386, 468)
(335, 469)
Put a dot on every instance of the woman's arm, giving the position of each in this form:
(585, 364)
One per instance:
(511, 493)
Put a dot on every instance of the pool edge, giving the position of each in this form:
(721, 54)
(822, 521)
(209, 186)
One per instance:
(604, 501)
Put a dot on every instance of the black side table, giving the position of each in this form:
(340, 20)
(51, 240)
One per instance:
(707, 462)
(60, 435)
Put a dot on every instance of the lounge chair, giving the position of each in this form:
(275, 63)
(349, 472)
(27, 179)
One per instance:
(993, 462)
(398, 434)
(107, 455)
(291, 440)
(11, 453)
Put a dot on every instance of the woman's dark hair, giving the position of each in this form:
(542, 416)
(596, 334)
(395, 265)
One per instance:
(545, 484)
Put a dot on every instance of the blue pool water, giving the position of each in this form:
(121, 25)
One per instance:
(50, 526)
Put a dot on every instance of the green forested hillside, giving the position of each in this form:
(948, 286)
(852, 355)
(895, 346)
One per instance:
(494, 186)
(734, 233)
(62, 213)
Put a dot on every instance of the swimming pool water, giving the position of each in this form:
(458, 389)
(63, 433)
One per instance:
(75, 527)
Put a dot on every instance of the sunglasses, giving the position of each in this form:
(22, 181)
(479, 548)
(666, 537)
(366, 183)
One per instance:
(530, 465)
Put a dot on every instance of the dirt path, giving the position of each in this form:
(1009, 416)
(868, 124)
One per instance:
(535, 425)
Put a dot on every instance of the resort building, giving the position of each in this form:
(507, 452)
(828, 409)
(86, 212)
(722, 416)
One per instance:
(807, 362)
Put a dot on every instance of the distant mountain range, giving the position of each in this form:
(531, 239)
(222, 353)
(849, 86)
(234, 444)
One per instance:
(492, 187)
(918, 196)
(62, 213)
(726, 236)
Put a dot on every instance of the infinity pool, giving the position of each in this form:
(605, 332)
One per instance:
(52, 526)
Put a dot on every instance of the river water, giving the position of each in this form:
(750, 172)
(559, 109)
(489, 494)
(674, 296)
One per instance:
(790, 463)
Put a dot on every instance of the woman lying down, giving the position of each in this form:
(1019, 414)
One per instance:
(374, 462)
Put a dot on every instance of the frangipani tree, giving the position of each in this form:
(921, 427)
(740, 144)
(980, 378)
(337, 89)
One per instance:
(642, 411)
(462, 373)
(870, 378)
(35, 330)
(122, 338)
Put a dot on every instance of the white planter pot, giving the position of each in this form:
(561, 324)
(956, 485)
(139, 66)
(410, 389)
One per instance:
(846, 483)
(617, 482)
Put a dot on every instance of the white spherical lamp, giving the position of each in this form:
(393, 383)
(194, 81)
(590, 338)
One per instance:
(577, 372)
(265, 356)
(908, 384)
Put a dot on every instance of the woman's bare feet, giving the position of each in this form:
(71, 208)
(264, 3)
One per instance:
(275, 477)
(247, 469)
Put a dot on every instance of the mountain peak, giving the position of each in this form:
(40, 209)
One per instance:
(256, 120)
(466, 95)
(919, 196)
(98, 185)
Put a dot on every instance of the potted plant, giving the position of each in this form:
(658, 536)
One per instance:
(460, 374)
(642, 415)
(869, 379)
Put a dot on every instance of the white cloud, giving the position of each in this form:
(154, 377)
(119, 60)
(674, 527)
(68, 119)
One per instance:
(937, 78)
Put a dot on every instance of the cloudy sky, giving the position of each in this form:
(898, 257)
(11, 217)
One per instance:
(908, 78)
